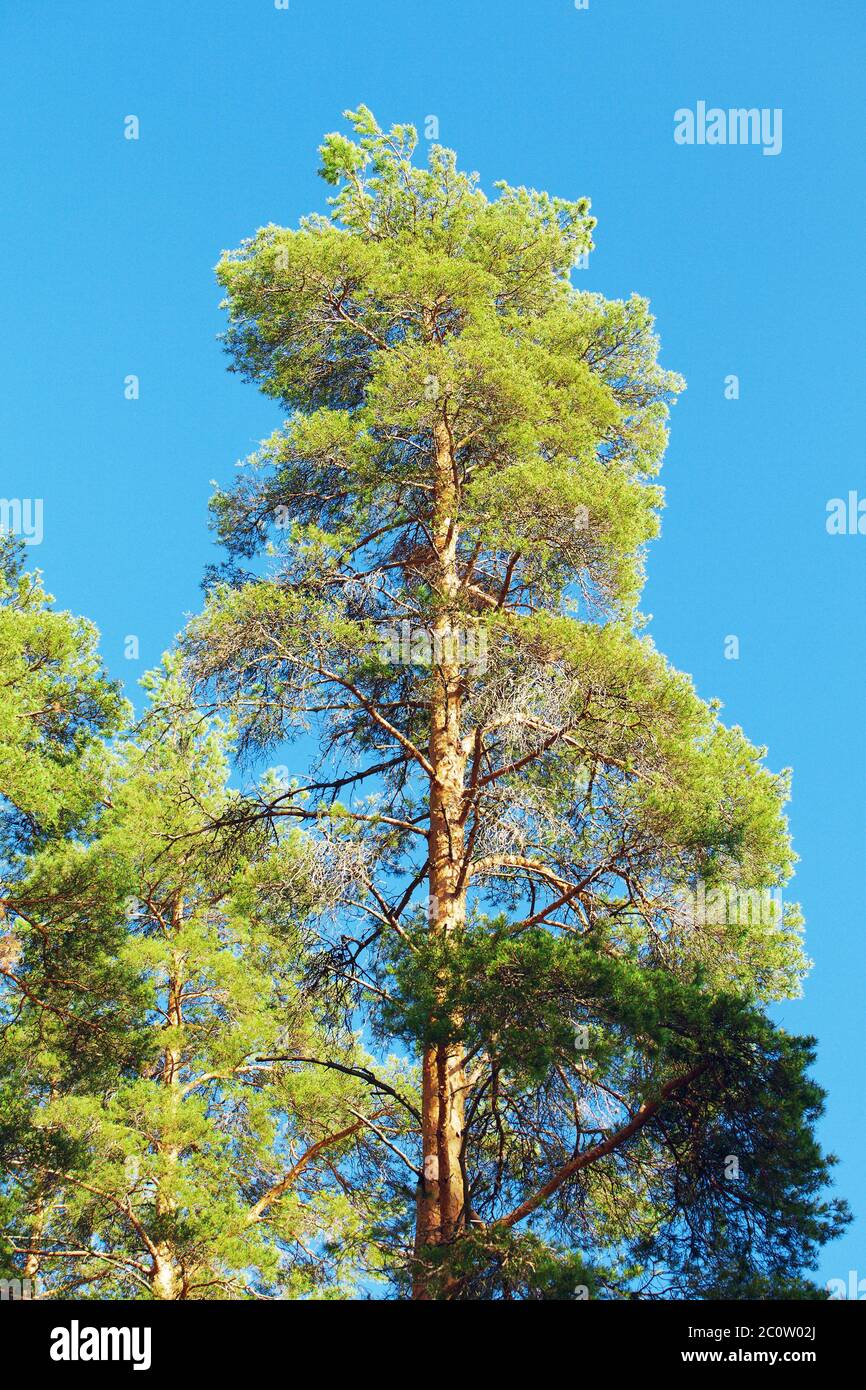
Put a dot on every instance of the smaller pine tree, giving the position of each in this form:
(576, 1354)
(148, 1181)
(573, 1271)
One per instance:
(197, 1154)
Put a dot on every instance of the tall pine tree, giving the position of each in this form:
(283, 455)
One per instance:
(456, 512)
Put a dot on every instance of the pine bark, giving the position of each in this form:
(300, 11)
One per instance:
(441, 1197)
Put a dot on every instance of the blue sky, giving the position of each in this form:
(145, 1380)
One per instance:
(753, 264)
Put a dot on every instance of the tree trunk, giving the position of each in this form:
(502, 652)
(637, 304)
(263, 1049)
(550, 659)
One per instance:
(165, 1276)
(441, 1197)
(31, 1262)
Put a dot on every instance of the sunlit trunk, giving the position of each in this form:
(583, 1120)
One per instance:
(441, 1198)
(31, 1262)
(165, 1279)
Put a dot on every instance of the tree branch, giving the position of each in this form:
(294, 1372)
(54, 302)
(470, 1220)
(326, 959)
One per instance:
(583, 1160)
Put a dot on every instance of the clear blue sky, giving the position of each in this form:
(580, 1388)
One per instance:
(753, 264)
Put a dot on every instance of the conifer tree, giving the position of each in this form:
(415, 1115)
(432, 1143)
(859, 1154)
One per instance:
(56, 710)
(456, 513)
(198, 1155)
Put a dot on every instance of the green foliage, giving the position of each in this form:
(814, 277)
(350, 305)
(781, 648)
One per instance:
(56, 708)
(420, 290)
(497, 1265)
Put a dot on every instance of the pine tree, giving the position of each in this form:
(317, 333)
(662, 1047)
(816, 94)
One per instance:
(456, 513)
(56, 710)
(198, 1155)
